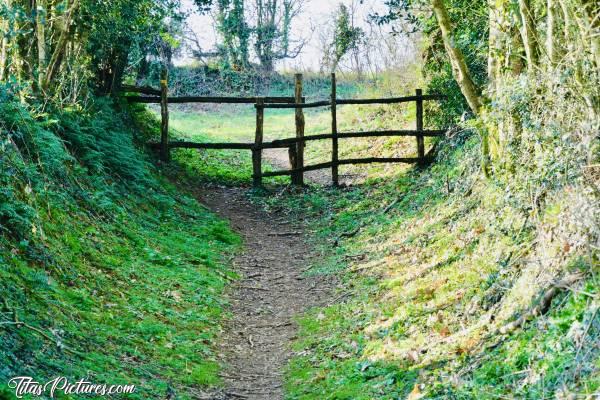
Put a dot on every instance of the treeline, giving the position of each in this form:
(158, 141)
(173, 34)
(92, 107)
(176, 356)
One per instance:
(63, 48)
(264, 25)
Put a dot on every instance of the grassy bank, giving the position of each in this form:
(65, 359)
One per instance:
(438, 265)
(108, 272)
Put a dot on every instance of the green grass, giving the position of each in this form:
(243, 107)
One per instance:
(120, 281)
(137, 299)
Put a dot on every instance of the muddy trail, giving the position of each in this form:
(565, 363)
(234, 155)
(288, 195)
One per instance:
(273, 290)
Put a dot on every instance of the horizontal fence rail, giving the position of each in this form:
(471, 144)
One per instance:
(208, 146)
(347, 135)
(350, 161)
(285, 143)
(295, 145)
(205, 99)
(391, 100)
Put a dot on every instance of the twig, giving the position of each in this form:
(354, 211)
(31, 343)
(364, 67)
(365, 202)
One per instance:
(223, 275)
(390, 206)
(254, 288)
(272, 326)
(542, 305)
(338, 298)
(351, 233)
(238, 395)
(587, 330)
(21, 324)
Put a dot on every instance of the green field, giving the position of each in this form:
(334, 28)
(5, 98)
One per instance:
(226, 123)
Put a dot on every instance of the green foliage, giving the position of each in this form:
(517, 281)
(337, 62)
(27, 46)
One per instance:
(121, 273)
(120, 28)
(347, 37)
(232, 26)
(107, 40)
(471, 37)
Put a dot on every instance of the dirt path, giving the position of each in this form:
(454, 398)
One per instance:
(256, 344)
(279, 158)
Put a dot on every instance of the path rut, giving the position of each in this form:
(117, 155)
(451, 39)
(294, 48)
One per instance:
(257, 341)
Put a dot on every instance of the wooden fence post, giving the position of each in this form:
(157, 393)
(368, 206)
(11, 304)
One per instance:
(298, 178)
(258, 141)
(420, 138)
(334, 132)
(164, 114)
(293, 155)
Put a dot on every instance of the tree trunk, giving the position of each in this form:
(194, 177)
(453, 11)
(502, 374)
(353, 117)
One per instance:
(460, 69)
(550, 23)
(3, 56)
(591, 11)
(495, 44)
(40, 24)
(61, 45)
(4, 44)
(528, 34)
(118, 69)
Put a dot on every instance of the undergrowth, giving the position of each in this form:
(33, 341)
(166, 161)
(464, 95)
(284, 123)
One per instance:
(108, 272)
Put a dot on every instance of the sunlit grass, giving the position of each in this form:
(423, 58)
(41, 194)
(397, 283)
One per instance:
(237, 123)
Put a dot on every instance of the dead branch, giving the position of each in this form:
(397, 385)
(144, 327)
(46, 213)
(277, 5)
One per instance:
(543, 304)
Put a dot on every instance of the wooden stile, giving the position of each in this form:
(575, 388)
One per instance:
(420, 137)
(334, 132)
(258, 140)
(298, 178)
(164, 114)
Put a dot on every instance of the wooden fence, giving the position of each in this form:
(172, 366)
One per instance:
(295, 145)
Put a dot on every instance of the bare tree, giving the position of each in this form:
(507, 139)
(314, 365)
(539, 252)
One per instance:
(272, 29)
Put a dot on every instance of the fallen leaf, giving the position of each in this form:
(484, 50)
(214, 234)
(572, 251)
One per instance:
(416, 393)
(413, 355)
(444, 331)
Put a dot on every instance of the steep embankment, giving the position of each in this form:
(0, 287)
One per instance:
(455, 288)
(107, 273)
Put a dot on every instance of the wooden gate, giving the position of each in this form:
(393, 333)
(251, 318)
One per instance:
(295, 145)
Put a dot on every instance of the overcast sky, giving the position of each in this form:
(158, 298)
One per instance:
(316, 13)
